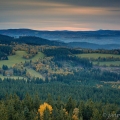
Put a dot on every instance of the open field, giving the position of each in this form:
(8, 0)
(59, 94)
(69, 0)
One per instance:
(107, 63)
(34, 73)
(109, 82)
(97, 55)
(12, 77)
(18, 57)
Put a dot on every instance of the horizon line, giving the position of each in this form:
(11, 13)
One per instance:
(59, 30)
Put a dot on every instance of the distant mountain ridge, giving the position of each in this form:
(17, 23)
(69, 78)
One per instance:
(33, 40)
(96, 37)
(101, 39)
(93, 46)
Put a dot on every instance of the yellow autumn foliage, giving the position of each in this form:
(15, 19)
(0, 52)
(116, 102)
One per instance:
(66, 113)
(74, 117)
(43, 107)
(75, 114)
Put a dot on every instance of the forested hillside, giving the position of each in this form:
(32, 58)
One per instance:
(47, 80)
(34, 100)
(98, 37)
(4, 52)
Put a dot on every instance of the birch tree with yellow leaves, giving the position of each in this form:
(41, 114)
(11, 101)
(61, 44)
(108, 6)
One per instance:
(44, 109)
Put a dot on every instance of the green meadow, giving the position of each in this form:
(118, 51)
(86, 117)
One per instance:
(97, 55)
(18, 57)
(12, 77)
(107, 63)
(104, 63)
(34, 73)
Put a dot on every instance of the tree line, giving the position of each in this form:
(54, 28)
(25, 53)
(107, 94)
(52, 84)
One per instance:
(5, 51)
(37, 107)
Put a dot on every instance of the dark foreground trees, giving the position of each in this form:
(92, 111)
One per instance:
(25, 100)
(32, 108)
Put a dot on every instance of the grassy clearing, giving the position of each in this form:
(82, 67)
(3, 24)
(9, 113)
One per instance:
(18, 57)
(97, 55)
(104, 63)
(35, 74)
(109, 82)
(12, 77)
(108, 63)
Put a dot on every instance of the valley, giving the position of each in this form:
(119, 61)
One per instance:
(34, 69)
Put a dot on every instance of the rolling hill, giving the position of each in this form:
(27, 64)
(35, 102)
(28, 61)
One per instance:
(97, 37)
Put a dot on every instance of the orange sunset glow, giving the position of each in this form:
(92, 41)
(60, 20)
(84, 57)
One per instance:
(60, 15)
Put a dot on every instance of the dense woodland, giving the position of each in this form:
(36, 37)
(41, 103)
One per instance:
(71, 87)
(4, 52)
(21, 100)
(6, 39)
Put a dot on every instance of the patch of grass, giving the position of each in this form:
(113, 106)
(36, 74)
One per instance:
(97, 55)
(35, 74)
(107, 63)
(12, 77)
(18, 57)
(104, 63)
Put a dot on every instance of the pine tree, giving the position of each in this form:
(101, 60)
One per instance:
(70, 105)
(26, 113)
(3, 111)
(46, 114)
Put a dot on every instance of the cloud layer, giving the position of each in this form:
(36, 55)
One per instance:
(60, 14)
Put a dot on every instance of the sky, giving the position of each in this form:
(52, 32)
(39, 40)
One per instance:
(74, 15)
